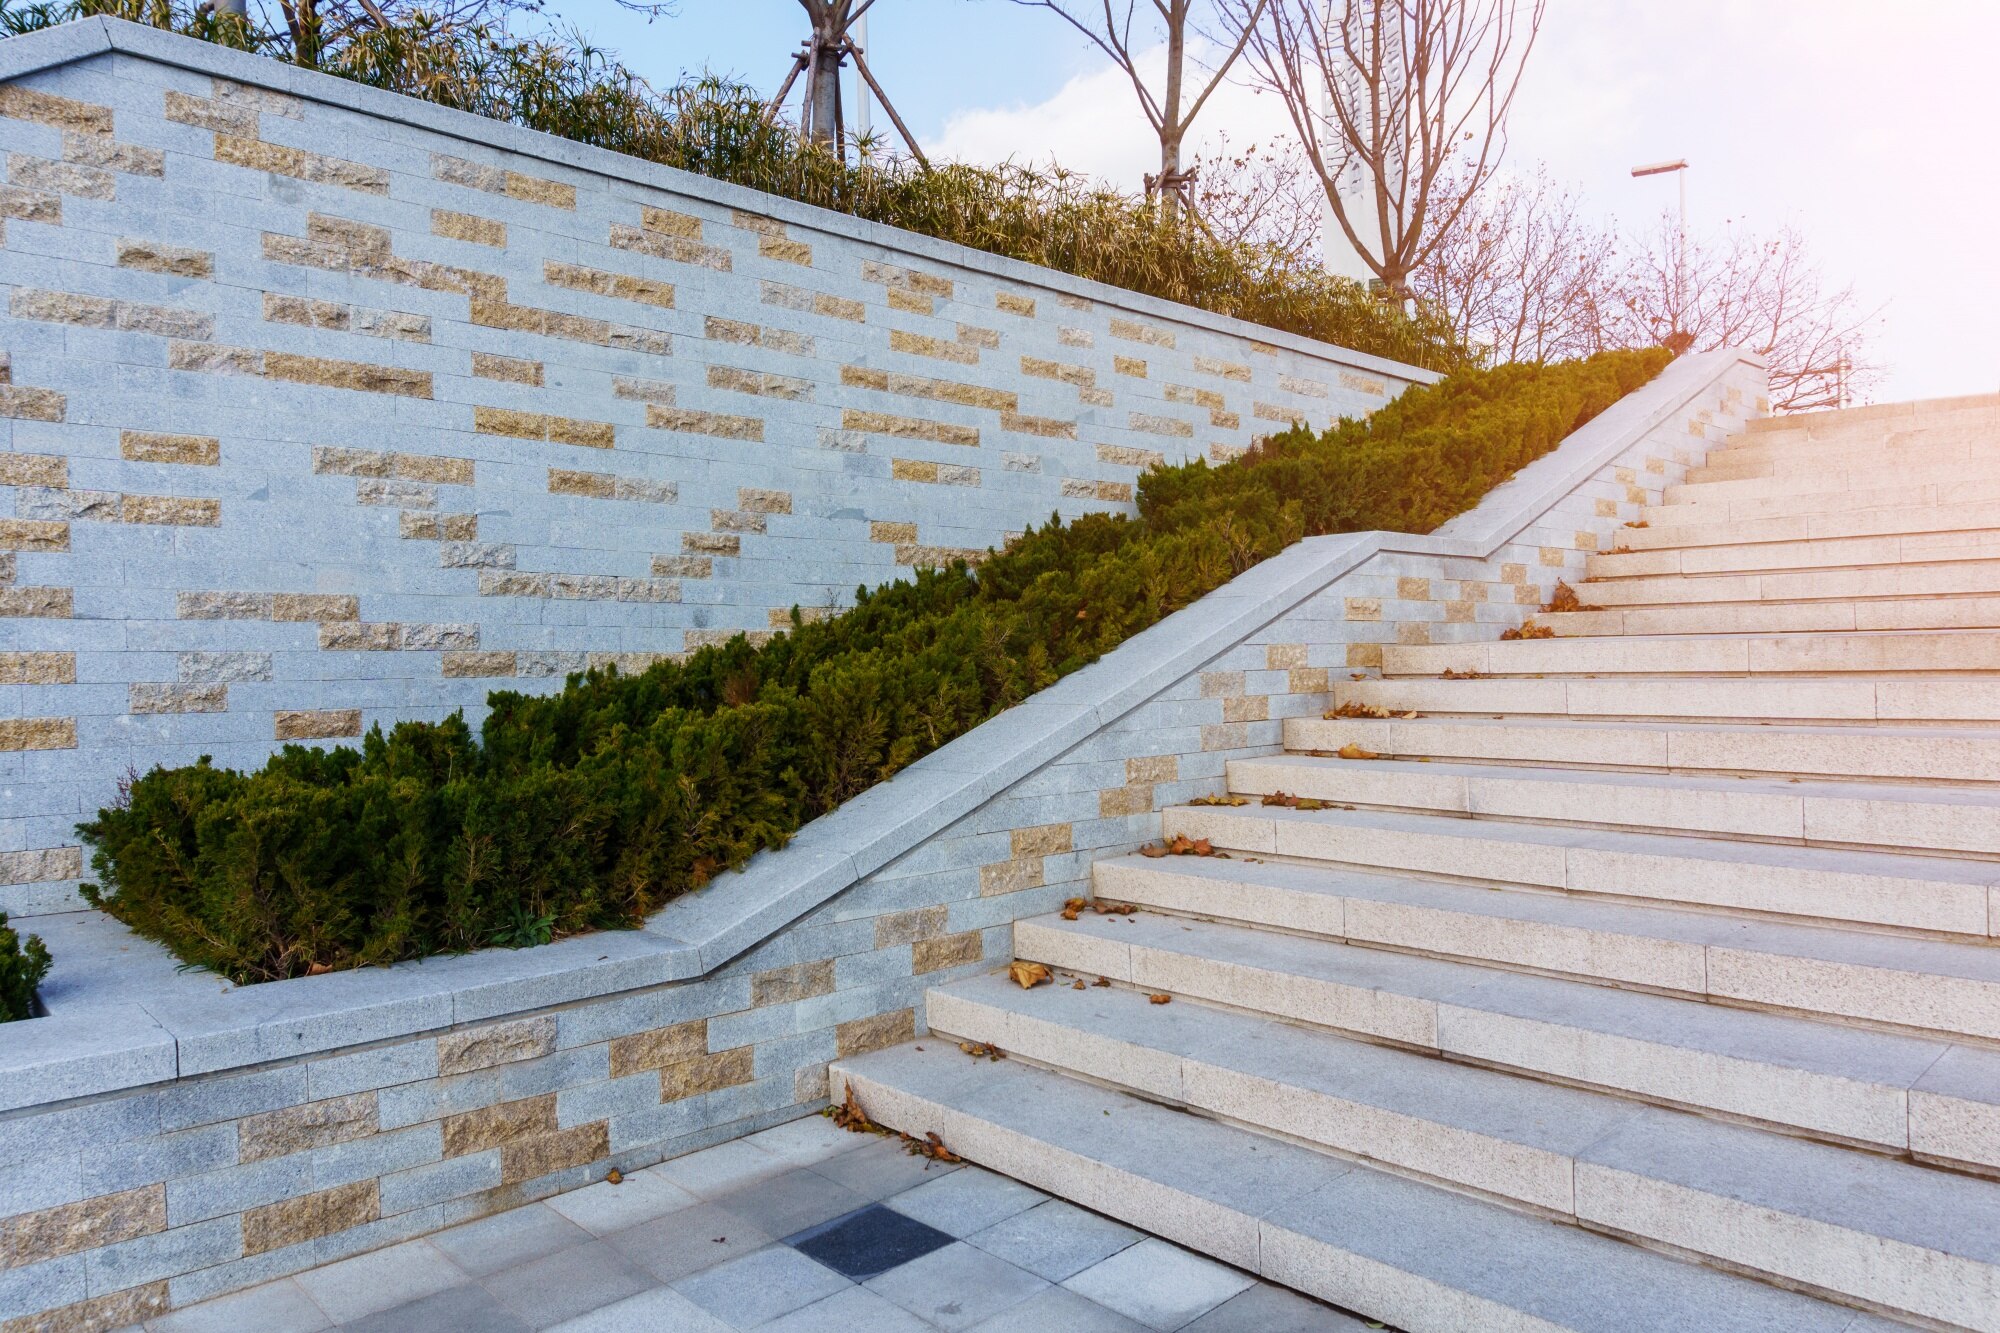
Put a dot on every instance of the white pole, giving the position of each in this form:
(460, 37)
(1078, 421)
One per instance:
(861, 116)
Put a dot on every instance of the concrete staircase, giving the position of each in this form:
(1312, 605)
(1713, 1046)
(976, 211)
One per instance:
(1676, 928)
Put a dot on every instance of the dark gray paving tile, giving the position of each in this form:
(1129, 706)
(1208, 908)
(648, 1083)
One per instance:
(957, 1287)
(467, 1309)
(760, 1286)
(868, 1242)
(688, 1241)
(1055, 1240)
(791, 1202)
(569, 1283)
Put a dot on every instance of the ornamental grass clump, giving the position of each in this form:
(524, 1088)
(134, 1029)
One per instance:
(591, 807)
(23, 964)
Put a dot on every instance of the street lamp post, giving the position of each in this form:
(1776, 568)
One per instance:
(1677, 168)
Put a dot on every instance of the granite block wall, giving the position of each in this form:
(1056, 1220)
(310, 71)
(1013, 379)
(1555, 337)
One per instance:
(319, 413)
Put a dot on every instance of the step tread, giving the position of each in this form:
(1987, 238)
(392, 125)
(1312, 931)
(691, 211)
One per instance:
(1924, 957)
(1896, 1201)
(1310, 1216)
(1887, 1059)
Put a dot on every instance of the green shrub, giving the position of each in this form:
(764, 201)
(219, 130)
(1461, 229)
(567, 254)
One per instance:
(22, 967)
(1053, 218)
(591, 807)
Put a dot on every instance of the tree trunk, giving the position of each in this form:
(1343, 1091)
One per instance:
(1171, 129)
(826, 90)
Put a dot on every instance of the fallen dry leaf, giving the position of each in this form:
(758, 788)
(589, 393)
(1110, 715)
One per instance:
(1353, 751)
(1103, 908)
(614, 1177)
(980, 1050)
(1071, 908)
(1220, 800)
(1102, 981)
(1353, 708)
(1028, 975)
(1077, 984)
(1152, 849)
(1161, 999)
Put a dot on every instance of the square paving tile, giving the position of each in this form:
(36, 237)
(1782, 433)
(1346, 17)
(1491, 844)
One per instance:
(1161, 1286)
(812, 1139)
(369, 1282)
(967, 1201)
(1055, 1240)
(604, 1208)
(568, 1283)
(791, 1202)
(882, 1168)
(957, 1286)
(721, 1169)
(1268, 1309)
(661, 1310)
(507, 1240)
(1059, 1310)
(678, 1244)
(855, 1310)
(868, 1242)
(467, 1309)
(760, 1286)
(275, 1307)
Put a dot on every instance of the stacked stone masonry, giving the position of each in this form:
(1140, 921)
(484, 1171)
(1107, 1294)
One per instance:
(318, 418)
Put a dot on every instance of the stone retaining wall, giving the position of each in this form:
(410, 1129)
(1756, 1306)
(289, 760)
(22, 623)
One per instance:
(164, 1144)
(326, 408)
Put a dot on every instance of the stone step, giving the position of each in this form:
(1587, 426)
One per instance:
(1979, 470)
(1782, 617)
(1637, 845)
(1687, 841)
(1891, 495)
(1872, 753)
(1897, 1094)
(1729, 655)
(1928, 987)
(1781, 699)
(1945, 579)
(1736, 549)
(1938, 448)
(1892, 1234)
(1408, 1254)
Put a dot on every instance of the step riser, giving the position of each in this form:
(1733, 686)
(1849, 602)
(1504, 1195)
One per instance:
(1891, 582)
(1966, 651)
(1930, 1005)
(1933, 906)
(1819, 1105)
(1972, 472)
(1747, 700)
(1924, 508)
(1543, 1180)
(1933, 451)
(1877, 755)
(1765, 548)
(1782, 618)
(1706, 525)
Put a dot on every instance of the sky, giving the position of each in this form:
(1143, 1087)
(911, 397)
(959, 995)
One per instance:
(1871, 128)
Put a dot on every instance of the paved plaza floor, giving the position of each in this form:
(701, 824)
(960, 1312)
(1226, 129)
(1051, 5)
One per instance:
(800, 1228)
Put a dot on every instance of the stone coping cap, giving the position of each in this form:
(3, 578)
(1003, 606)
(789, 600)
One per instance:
(81, 39)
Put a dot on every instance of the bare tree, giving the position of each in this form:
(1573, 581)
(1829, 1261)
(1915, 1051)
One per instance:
(1401, 107)
(1525, 272)
(1261, 195)
(313, 33)
(820, 58)
(1173, 109)
(1745, 290)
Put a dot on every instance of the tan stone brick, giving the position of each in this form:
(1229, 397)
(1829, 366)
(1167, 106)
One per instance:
(1124, 455)
(316, 724)
(1081, 376)
(1458, 612)
(63, 113)
(759, 382)
(1014, 305)
(1047, 428)
(302, 606)
(464, 665)
(214, 359)
(683, 566)
(1041, 840)
(656, 1048)
(1364, 654)
(38, 733)
(753, 501)
(543, 1154)
(1146, 769)
(909, 428)
(1284, 656)
(142, 698)
(861, 1035)
(919, 386)
(1513, 573)
(542, 426)
(785, 250)
(692, 422)
(33, 534)
(88, 1224)
(1154, 424)
(601, 282)
(1221, 684)
(1009, 877)
(669, 223)
(598, 485)
(1413, 589)
(1228, 370)
(496, 1044)
(153, 257)
(468, 227)
(36, 669)
(312, 1125)
(34, 470)
(1184, 393)
(1248, 708)
(1117, 492)
(907, 927)
(903, 279)
(707, 1073)
(96, 150)
(934, 955)
(60, 178)
(712, 543)
(36, 603)
(310, 1216)
(1132, 331)
(1364, 608)
(30, 205)
(1307, 680)
(918, 344)
(216, 117)
(172, 510)
(1553, 557)
(357, 375)
(1117, 802)
(490, 1126)
(785, 985)
(488, 366)
(280, 160)
(148, 447)
(1368, 384)
(840, 307)
(879, 531)
(912, 469)
(116, 1309)
(937, 557)
(972, 335)
(1586, 540)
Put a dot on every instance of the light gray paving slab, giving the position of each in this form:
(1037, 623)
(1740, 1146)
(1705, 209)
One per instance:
(1055, 1240)
(966, 1202)
(881, 1168)
(697, 1238)
(567, 1283)
(661, 1308)
(956, 1287)
(1268, 1309)
(370, 1282)
(1058, 1308)
(850, 1311)
(760, 1286)
(603, 1208)
(275, 1307)
(723, 1169)
(806, 1141)
(464, 1309)
(508, 1239)
(791, 1201)
(1159, 1285)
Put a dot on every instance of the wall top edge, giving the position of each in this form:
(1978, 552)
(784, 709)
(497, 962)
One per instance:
(50, 48)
